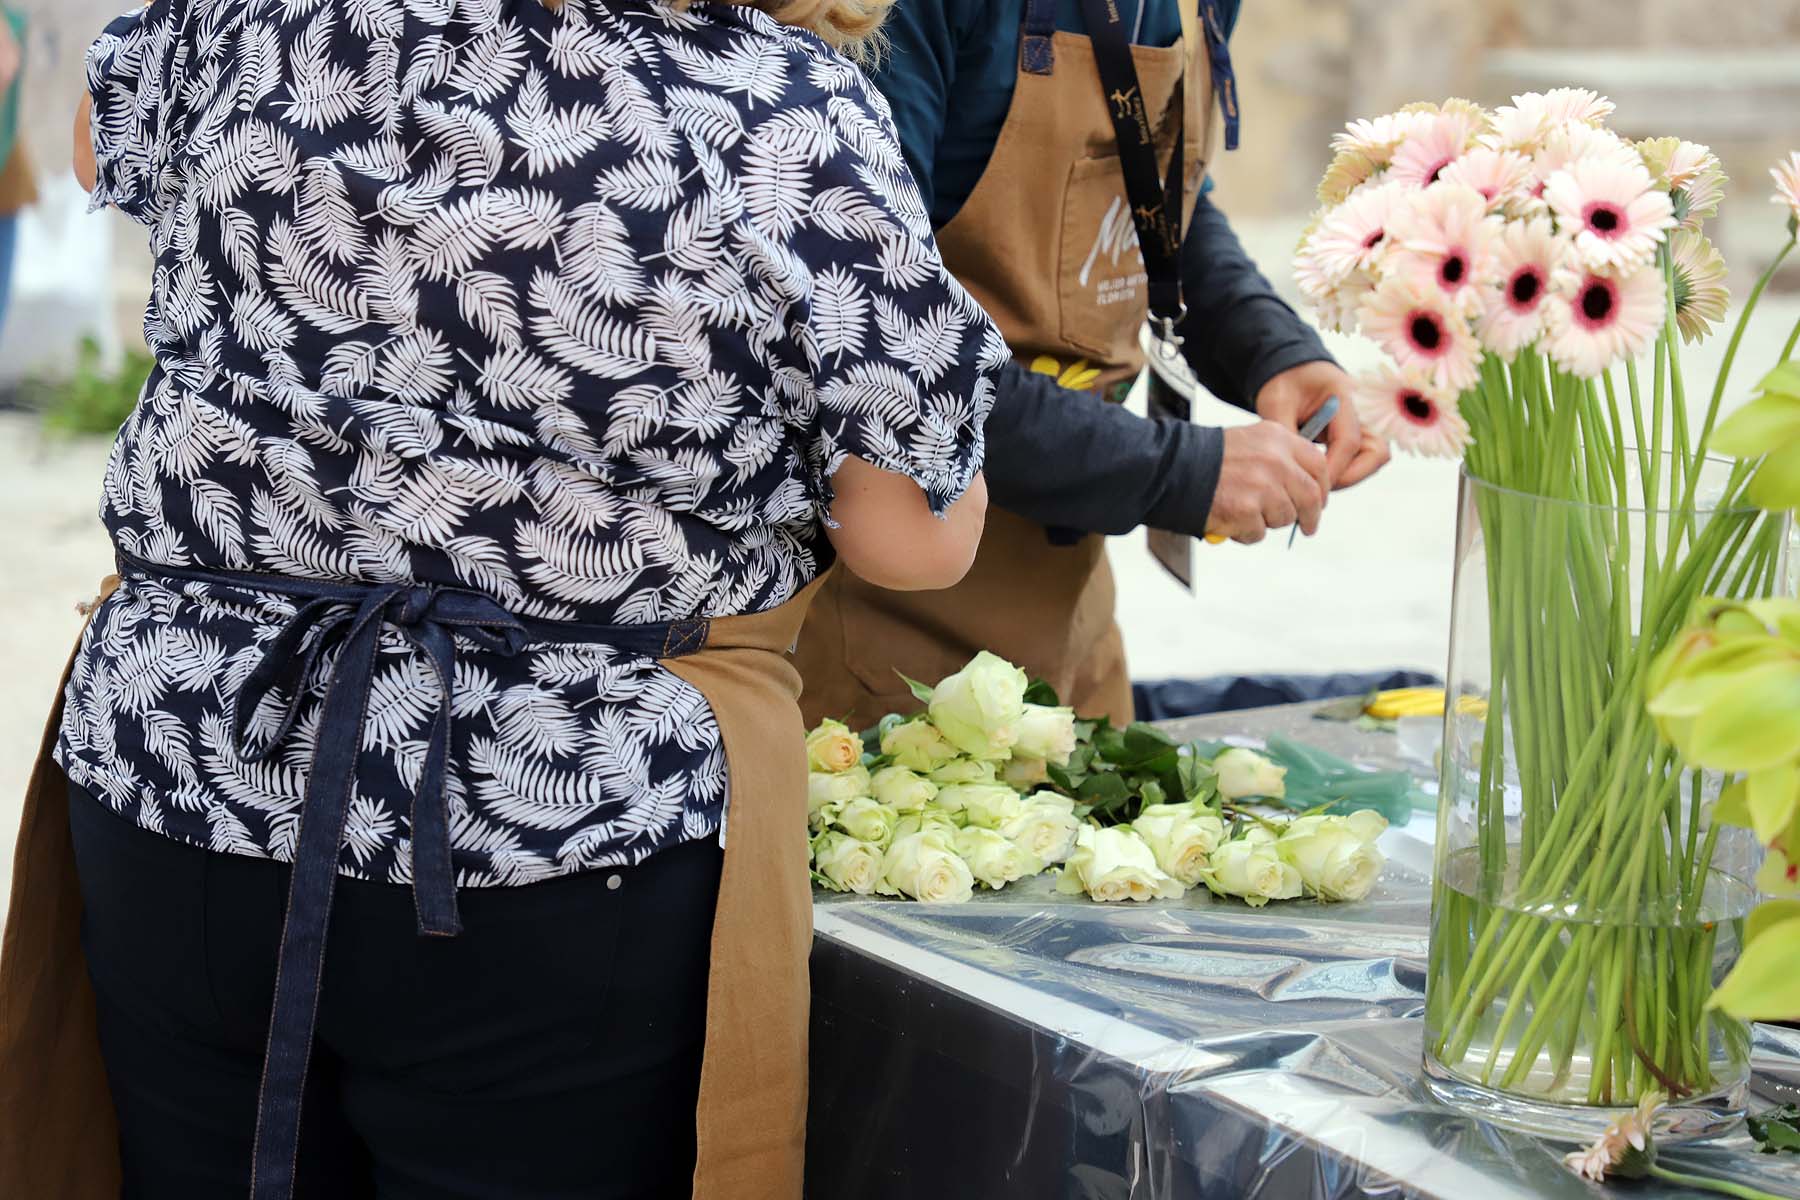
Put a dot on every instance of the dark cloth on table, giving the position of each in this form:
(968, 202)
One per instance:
(1171, 699)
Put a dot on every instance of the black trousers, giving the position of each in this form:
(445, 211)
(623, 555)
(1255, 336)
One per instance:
(552, 1050)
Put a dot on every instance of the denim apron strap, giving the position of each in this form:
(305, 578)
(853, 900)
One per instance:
(350, 618)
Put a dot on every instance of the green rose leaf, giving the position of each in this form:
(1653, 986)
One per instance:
(1040, 692)
(920, 692)
(1764, 986)
(1776, 1130)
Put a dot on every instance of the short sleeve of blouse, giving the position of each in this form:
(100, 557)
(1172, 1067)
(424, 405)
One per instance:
(896, 361)
(128, 74)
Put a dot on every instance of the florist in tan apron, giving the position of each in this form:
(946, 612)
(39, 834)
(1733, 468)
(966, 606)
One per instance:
(424, 812)
(1070, 239)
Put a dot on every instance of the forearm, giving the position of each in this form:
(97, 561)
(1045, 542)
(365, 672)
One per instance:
(1069, 460)
(1238, 333)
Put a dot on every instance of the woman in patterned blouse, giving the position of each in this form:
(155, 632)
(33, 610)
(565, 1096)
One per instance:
(523, 320)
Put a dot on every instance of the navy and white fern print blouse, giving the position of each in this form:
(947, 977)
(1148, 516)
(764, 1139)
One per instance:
(579, 308)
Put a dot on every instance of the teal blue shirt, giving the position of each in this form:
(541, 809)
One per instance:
(949, 79)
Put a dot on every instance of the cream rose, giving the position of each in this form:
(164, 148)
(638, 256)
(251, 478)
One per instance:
(988, 805)
(1182, 836)
(839, 787)
(1244, 773)
(1335, 856)
(867, 820)
(964, 770)
(1045, 828)
(979, 707)
(1047, 733)
(1115, 864)
(993, 860)
(1024, 773)
(926, 867)
(1250, 868)
(902, 789)
(930, 819)
(917, 745)
(832, 747)
(847, 865)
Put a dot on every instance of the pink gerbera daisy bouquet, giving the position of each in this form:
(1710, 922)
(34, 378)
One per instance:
(1532, 278)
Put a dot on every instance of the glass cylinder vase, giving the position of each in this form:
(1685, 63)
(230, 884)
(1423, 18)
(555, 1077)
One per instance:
(1584, 906)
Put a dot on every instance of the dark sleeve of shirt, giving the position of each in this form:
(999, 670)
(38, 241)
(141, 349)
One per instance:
(1238, 334)
(1071, 461)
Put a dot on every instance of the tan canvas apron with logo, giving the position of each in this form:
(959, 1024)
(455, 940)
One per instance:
(1046, 243)
(58, 1139)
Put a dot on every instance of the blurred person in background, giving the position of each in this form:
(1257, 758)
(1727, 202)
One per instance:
(18, 186)
(1061, 146)
(504, 418)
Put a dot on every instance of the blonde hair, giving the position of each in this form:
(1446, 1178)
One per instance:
(851, 27)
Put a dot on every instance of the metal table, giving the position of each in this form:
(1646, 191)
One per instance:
(1029, 1045)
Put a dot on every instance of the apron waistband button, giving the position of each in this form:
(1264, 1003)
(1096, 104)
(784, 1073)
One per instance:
(614, 882)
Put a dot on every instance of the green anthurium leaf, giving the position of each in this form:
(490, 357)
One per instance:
(1772, 794)
(920, 692)
(1733, 806)
(1769, 914)
(1752, 725)
(1768, 422)
(1783, 380)
(1777, 483)
(1765, 984)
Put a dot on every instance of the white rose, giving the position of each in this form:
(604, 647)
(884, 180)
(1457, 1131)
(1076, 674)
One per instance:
(1335, 856)
(980, 706)
(1182, 836)
(901, 789)
(1250, 869)
(1245, 773)
(840, 787)
(964, 770)
(1024, 773)
(848, 865)
(930, 819)
(832, 747)
(1045, 828)
(1047, 733)
(867, 820)
(926, 867)
(917, 745)
(993, 861)
(989, 805)
(1115, 864)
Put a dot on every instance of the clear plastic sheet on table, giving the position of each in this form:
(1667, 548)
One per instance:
(1033, 1045)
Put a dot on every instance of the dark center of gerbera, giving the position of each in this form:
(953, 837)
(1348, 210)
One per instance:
(1416, 407)
(1374, 239)
(1453, 270)
(1525, 288)
(1597, 301)
(1604, 218)
(1438, 170)
(1425, 331)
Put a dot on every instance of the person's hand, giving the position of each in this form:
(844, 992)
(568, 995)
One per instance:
(10, 55)
(1270, 477)
(1351, 453)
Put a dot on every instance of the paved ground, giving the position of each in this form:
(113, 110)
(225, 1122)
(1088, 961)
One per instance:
(1372, 591)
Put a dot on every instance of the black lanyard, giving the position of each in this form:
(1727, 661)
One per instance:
(1155, 197)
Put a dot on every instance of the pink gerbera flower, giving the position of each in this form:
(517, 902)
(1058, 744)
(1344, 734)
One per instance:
(1402, 407)
(1615, 211)
(1527, 257)
(1690, 173)
(1600, 319)
(1354, 235)
(1444, 243)
(1572, 143)
(1786, 175)
(1361, 151)
(1576, 104)
(1423, 332)
(1503, 177)
(1438, 140)
(1524, 124)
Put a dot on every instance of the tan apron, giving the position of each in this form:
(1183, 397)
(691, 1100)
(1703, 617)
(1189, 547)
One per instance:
(1046, 243)
(58, 1138)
